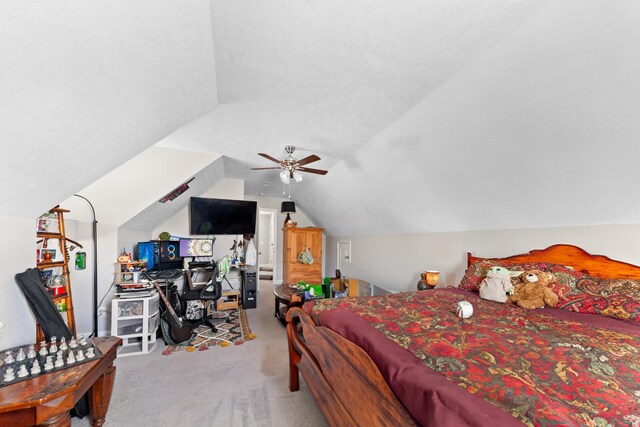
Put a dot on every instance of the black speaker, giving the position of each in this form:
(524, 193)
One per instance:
(249, 289)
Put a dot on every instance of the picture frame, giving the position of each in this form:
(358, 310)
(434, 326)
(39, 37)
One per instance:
(42, 225)
(47, 224)
(44, 251)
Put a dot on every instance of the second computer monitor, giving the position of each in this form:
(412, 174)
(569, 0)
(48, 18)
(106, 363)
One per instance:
(196, 247)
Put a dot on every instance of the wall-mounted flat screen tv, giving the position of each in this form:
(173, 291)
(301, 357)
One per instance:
(196, 247)
(222, 216)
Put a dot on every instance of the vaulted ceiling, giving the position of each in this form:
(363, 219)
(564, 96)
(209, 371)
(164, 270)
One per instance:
(430, 116)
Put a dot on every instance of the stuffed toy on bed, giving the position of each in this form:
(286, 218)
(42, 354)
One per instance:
(497, 285)
(533, 292)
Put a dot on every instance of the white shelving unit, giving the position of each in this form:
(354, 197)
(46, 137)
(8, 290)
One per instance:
(135, 320)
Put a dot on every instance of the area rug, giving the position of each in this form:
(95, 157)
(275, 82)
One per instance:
(235, 332)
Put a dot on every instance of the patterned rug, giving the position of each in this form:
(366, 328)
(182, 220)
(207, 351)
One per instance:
(235, 332)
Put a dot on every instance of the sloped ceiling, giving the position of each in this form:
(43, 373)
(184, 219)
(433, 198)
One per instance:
(85, 86)
(158, 213)
(430, 116)
(327, 76)
(541, 131)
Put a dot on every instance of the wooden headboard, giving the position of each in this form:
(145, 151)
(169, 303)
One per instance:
(595, 265)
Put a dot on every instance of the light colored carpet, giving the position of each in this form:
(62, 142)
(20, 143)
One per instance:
(243, 385)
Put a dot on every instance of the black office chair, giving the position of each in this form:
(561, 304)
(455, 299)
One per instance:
(210, 291)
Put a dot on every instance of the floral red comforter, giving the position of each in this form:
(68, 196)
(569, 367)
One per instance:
(540, 369)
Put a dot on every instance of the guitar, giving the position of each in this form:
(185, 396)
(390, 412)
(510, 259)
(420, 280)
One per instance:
(177, 331)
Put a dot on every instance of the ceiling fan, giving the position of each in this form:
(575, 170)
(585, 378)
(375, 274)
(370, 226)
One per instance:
(291, 166)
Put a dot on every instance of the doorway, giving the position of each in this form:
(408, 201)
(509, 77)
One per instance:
(267, 243)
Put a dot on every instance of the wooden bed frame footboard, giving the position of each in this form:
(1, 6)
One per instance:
(344, 381)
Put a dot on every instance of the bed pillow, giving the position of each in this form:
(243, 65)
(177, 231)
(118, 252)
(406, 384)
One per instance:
(477, 271)
(565, 281)
(619, 298)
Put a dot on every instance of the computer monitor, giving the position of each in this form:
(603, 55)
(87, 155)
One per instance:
(196, 247)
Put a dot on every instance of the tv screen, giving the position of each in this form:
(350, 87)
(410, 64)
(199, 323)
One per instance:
(222, 216)
(196, 247)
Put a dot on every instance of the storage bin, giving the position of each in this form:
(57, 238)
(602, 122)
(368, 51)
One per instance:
(228, 300)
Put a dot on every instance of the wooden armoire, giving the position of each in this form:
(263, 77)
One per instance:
(296, 240)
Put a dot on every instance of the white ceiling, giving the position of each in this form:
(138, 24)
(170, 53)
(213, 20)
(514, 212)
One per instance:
(84, 86)
(327, 76)
(429, 116)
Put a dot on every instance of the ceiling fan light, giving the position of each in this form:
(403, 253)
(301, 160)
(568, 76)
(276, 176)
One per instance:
(284, 176)
(297, 176)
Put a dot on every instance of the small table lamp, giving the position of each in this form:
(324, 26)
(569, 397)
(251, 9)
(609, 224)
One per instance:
(432, 278)
(288, 208)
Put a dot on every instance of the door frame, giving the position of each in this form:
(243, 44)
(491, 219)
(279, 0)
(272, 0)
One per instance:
(273, 214)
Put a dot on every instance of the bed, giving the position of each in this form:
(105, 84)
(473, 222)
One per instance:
(406, 359)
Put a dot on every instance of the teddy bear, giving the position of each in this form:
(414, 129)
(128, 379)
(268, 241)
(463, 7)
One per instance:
(533, 292)
(497, 285)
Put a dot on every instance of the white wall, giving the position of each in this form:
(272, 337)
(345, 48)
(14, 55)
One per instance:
(81, 280)
(19, 235)
(116, 198)
(128, 239)
(14, 310)
(396, 261)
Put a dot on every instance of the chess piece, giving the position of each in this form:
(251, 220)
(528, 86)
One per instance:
(63, 344)
(49, 363)
(8, 375)
(59, 362)
(90, 353)
(73, 343)
(83, 341)
(21, 356)
(53, 348)
(9, 357)
(22, 372)
(35, 368)
(80, 356)
(43, 348)
(71, 359)
(32, 352)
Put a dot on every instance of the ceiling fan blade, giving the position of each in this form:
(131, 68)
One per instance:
(309, 159)
(310, 170)
(273, 159)
(260, 169)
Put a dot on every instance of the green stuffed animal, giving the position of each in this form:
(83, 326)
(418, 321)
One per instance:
(497, 285)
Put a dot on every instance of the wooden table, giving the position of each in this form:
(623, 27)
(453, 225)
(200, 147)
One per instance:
(283, 295)
(47, 399)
